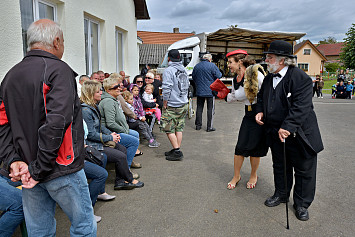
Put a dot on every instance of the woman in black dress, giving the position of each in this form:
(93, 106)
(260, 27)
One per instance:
(246, 84)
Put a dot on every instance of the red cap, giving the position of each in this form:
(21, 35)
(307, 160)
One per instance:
(238, 51)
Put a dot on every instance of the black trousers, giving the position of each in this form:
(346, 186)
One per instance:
(315, 90)
(118, 156)
(210, 110)
(303, 168)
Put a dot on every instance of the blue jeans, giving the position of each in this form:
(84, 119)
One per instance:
(134, 133)
(71, 192)
(98, 176)
(11, 205)
(131, 142)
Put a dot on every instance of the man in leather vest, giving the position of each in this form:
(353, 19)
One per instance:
(285, 108)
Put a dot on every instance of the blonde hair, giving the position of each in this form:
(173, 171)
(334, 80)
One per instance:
(117, 76)
(88, 89)
(149, 86)
(109, 82)
(126, 95)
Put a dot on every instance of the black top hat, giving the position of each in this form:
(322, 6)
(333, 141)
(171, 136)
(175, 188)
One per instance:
(280, 47)
(174, 55)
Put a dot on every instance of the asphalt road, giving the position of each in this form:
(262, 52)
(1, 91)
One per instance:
(180, 198)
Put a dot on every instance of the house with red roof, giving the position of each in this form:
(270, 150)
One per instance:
(309, 58)
(331, 51)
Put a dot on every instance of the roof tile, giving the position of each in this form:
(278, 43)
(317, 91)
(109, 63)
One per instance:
(330, 49)
(149, 37)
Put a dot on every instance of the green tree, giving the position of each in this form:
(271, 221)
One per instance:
(332, 67)
(348, 51)
(329, 40)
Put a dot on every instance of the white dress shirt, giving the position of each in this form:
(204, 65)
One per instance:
(276, 80)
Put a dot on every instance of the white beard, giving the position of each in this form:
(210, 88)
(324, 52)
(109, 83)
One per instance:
(272, 67)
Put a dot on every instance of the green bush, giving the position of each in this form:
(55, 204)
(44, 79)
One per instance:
(332, 67)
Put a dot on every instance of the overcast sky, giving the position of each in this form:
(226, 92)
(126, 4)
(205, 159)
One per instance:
(318, 18)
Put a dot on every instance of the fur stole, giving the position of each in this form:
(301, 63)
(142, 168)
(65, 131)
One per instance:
(251, 81)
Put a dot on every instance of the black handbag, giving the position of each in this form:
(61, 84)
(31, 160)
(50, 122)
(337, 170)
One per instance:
(94, 156)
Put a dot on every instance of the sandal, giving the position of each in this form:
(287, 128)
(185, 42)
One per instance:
(138, 154)
(231, 186)
(252, 185)
(136, 165)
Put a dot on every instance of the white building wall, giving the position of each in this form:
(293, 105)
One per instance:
(112, 15)
(10, 35)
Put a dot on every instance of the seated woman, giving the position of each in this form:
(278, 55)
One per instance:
(149, 79)
(98, 175)
(114, 119)
(99, 134)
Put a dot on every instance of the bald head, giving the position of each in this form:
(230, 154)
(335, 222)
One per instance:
(46, 35)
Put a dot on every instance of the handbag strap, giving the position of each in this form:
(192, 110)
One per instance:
(102, 141)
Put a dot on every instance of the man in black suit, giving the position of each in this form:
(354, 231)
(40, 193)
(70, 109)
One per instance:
(285, 108)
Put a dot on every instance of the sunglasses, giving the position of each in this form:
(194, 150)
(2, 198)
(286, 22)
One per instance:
(115, 87)
(139, 82)
(149, 78)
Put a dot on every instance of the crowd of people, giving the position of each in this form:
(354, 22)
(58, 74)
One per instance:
(105, 112)
(66, 136)
(116, 114)
(344, 87)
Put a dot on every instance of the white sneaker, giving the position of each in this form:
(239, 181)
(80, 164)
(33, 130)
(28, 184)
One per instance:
(97, 218)
(105, 197)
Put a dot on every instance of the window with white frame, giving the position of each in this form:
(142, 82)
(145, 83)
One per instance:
(119, 50)
(303, 66)
(92, 42)
(33, 10)
(307, 51)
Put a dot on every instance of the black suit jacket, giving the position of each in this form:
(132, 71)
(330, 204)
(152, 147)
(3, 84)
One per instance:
(300, 120)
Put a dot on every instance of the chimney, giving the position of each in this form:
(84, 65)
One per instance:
(176, 30)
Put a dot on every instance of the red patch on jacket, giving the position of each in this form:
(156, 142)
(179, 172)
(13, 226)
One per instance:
(3, 116)
(66, 152)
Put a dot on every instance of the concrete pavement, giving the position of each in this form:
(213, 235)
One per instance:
(179, 198)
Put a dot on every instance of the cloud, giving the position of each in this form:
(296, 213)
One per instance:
(188, 8)
(251, 11)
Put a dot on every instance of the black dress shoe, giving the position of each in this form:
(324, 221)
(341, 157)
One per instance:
(198, 128)
(210, 130)
(124, 186)
(301, 213)
(274, 201)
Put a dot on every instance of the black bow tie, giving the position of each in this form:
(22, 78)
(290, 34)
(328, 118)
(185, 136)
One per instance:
(276, 75)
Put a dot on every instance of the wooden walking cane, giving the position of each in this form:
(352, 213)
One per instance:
(285, 180)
